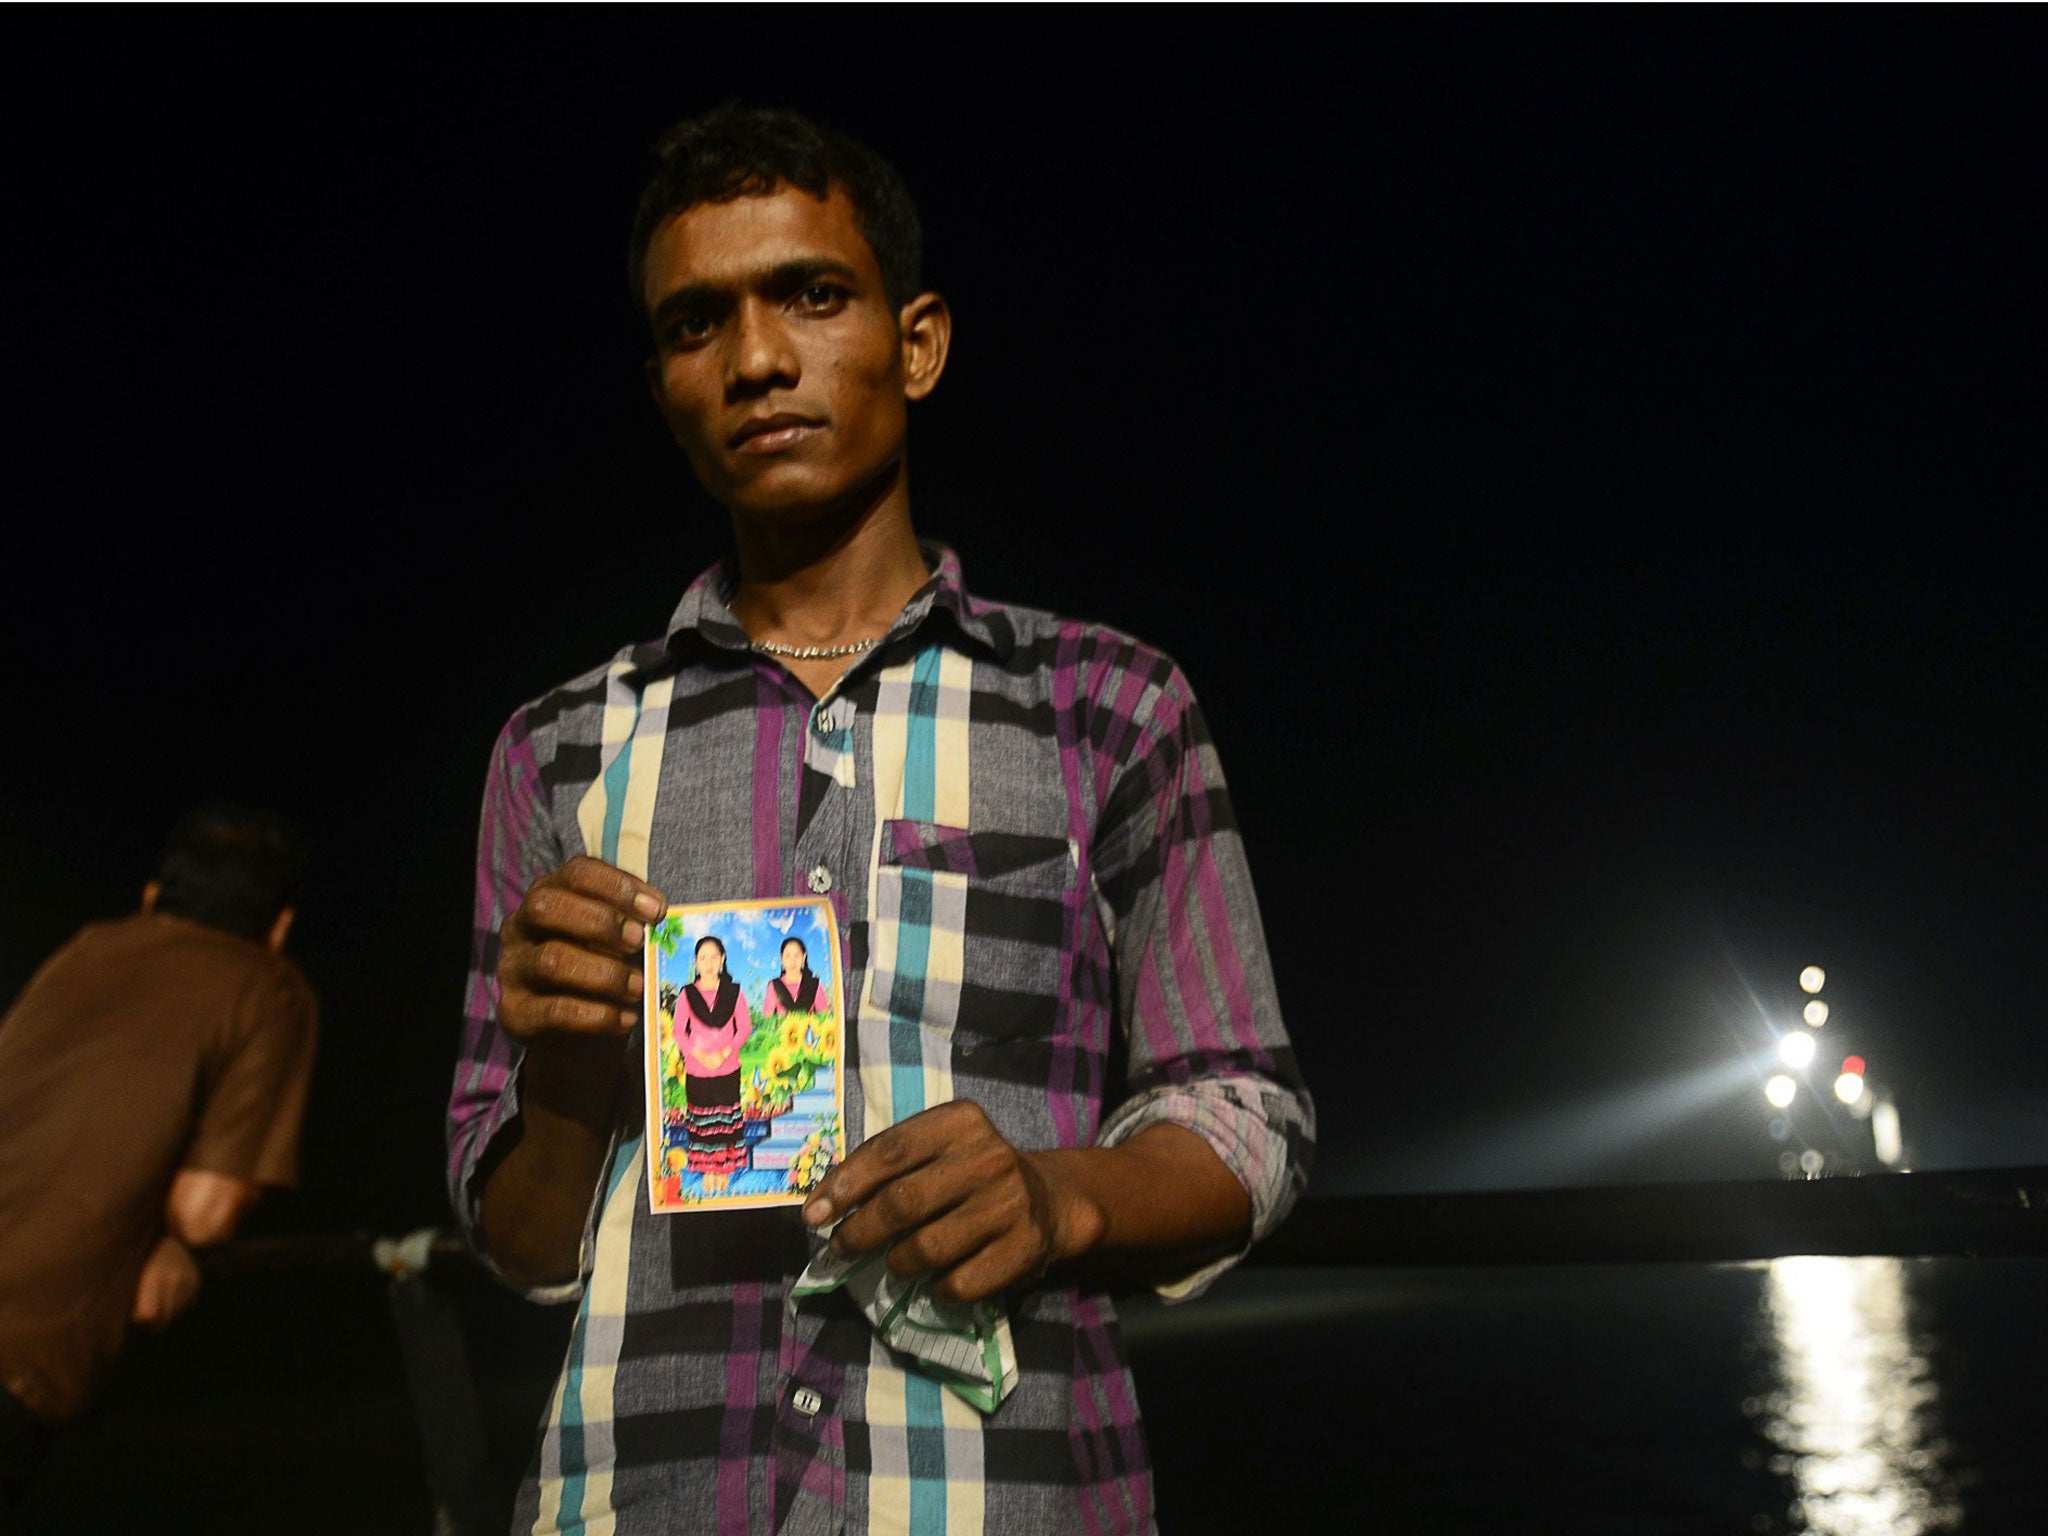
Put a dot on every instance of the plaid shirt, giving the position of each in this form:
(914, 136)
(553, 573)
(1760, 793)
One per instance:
(1044, 908)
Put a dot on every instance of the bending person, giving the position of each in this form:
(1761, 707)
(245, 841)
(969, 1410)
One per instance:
(153, 1075)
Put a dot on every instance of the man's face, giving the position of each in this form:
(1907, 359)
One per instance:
(778, 362)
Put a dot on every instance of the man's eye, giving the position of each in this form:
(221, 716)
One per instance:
(685, 328)
(822, 298)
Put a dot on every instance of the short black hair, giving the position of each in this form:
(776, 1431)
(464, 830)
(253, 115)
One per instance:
(736, 151)
(231, 868)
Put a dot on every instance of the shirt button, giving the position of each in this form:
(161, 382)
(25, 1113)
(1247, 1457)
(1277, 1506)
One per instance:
(828, 721)
(820, 880)
(806, 1402)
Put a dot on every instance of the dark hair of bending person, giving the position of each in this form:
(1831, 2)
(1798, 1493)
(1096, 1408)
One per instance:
(230, 868)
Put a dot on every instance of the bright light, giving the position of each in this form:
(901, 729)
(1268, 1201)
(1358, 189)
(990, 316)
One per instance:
(1812, 979)
(1779, 1090)
(1816, 1013)
(1884, 1133)
(1849, 1087)
(1796, 1049)
(1854, 1064)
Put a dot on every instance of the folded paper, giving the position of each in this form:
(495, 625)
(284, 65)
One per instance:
(965, 1346)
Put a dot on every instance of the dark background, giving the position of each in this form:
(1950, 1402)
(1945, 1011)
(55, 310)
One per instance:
(1586, 461)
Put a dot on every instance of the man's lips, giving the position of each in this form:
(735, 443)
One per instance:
(772, 434)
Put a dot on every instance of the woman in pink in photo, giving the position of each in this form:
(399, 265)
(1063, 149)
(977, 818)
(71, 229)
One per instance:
(796, 989)
(712, 1023)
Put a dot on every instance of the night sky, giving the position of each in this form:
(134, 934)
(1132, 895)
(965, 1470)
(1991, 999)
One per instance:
(1586, 461)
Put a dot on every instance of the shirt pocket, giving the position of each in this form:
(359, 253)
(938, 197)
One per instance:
(971, 929)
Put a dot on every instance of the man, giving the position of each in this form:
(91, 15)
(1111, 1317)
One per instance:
(1065, 1059)
(153, 1075)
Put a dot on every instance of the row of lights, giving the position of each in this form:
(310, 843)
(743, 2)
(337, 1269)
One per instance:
(1797, 1048)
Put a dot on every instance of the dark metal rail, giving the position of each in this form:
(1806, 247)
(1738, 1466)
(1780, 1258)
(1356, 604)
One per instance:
(1999, 1212)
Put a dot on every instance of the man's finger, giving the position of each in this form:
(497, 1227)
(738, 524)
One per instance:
(905, 1203)
(613, 886)
(555, 910)
(559, 967)
(996, 1267)
(906, 1145)
(948, 1240)
(530, 1014)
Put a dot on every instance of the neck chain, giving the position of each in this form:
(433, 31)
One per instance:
(812, 652)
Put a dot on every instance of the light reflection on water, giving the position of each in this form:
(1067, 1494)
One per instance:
(1854, 1418)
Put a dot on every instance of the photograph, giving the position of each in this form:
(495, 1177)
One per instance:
(744, 1057)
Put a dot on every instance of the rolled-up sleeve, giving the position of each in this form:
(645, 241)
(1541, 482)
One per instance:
(516, 844)
(1201, 1018)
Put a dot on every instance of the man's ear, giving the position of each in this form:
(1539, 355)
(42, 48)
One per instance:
(280, 929)
(150, 892)
(927, 327)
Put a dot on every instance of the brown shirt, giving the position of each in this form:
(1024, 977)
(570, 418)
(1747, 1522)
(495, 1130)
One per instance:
(142, 1047)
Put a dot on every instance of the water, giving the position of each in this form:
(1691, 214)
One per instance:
(1836, 1397)
(1833, 1397)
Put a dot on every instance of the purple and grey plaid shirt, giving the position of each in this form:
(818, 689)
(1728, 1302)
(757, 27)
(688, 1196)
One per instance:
(1044, 907)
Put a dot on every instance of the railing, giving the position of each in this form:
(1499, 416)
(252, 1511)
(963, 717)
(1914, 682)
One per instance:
(2000, 1212)
(1997, 1212)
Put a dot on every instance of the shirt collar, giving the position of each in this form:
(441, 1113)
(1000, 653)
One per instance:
(706, 613)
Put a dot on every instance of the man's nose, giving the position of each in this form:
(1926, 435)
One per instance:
(760, 355)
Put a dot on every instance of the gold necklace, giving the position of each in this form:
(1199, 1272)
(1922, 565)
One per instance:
(812, 652)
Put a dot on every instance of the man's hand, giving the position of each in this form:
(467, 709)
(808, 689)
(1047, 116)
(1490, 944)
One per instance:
(949, 1197)
(569, 991)
(569, 976)
(569, 958)
(204, 1207)
(169, 1284)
